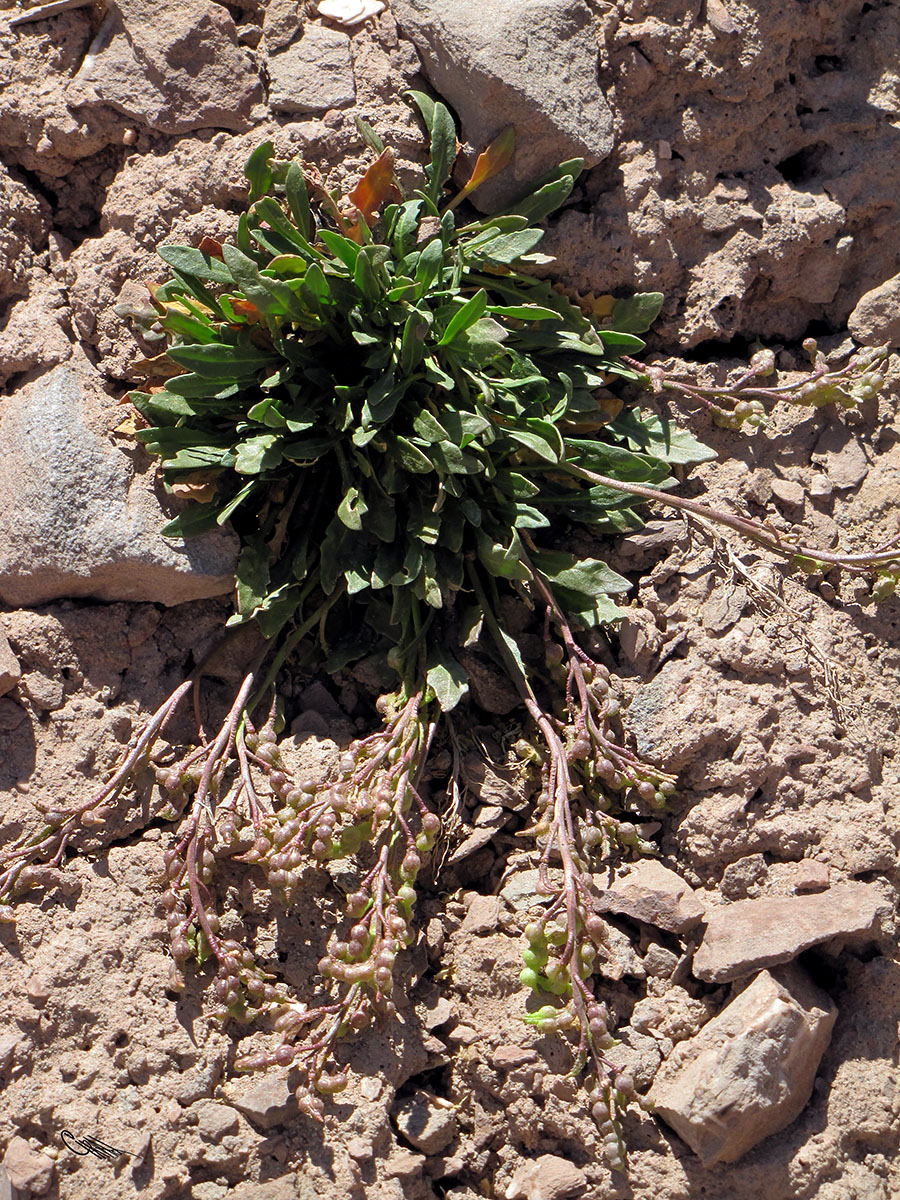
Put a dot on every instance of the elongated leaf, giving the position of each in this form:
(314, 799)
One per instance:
(429, 265)
(582, 586)
(507, 247)
(342, 248)
(298, 200)
(547, 193)
(220, 361)
(411, 457)
(524, 312)
(259, 171)
(443, 150)
(197, 519)
(465, 317)
(252, 575)
(189, 261)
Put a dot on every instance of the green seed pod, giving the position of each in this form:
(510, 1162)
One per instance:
(528, 977)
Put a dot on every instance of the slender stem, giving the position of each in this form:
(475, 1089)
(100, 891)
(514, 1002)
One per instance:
(752, 530)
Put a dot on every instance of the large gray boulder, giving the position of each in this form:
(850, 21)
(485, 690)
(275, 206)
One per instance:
(79, 516)
(528, 63)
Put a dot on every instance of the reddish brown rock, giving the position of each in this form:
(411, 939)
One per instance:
(652, 893)
(745, 936)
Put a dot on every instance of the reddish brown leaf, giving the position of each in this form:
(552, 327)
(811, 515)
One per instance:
(209, 245)
(490, 162)
(246, 308)
(376, 186)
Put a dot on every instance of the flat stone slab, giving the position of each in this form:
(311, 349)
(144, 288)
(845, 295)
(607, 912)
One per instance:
(76, 516)
(652, 893)
(743, 937)
(750, 1071)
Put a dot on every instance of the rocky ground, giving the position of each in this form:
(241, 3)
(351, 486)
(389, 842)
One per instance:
(743, 160)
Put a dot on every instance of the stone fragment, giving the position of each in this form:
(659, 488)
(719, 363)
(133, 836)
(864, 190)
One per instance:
(405, 1166)
(652, 893)
(314, 74)
(214, 1120)
(172, 67)
(810, 875)
(28, 1170)
(876, 319)
(282, 24)
(266, 1101)
(788, 492)
(10, 671)
(842, 456)
(77, 519)
(425, 1123)
(743, 937)
(482, 915)
(528, 63)
(751, 1069)
(510, 1058)
(547, 1178)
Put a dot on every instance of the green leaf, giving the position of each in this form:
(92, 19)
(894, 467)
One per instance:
(443, 150)
(428, 267)
(258, 454)
(259, 170)
(654, 435)
(252, 575)
(524, 312)
(369, 136)
(637, 313)
(582, 586)
(547, 193)
(540, 437)
(197, 519)
(342, 248)
(298, 200)
(410, 457)
(502, 561)
(507, 247)
(465, 317)
(447, 679)
(221, 361)
(190, 261)
(352, 509)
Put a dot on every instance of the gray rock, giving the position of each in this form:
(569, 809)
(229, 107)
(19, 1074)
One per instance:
(314, 74)
(10, 671)
(77, 519)
(876, 319)
(528, 63)
(170, 66)
(741, 938)
(425, 1124)
(750, 1071)
(266, 1101)
(282, 24)
(652, 893)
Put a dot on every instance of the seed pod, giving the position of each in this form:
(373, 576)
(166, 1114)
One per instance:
(284, 1055)
(384, 978)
